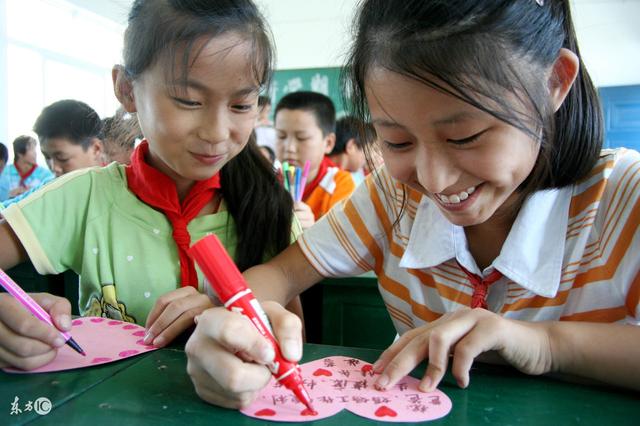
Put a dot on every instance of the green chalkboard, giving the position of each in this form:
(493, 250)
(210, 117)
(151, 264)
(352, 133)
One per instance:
(322, 80)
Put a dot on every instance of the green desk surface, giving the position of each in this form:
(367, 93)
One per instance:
(155, 389)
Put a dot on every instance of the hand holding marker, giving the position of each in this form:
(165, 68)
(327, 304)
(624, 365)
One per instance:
(231, 288)
(33, 307)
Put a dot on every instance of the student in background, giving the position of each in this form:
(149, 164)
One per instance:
(24, 173)
(265, 133)
(348, 152)
(4, 156)
(70, 139)
(70, 136)
(192, 73)
(119, 136)
(305, 126)
(497, 223)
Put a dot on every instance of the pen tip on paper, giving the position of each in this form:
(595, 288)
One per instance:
(76, 347)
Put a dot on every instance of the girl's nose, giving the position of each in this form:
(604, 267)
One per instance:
(435, 170)
(214, 128)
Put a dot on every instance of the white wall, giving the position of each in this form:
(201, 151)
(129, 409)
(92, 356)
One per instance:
(609, 39)
(315, 33)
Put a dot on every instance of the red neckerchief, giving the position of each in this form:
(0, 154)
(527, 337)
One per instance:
(25, 176)
(480, 286)
(322, 170)
(159, 191)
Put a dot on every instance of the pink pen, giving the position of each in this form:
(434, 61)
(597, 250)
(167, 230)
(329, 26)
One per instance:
(231, 288)
(33, 307)
(303, 181)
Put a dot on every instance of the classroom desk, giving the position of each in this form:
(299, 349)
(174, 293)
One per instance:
(154, 388)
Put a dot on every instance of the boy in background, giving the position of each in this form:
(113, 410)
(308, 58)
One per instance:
(348, 153)
(70, 139)
(70, 136)
(305, 128)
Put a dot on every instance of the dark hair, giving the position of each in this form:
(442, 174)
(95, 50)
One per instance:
(4, 153)
(350, 127)
(263, 100)
(160, 29)
(483, 50)
(68, 119)
(317, 104)
(21, 144)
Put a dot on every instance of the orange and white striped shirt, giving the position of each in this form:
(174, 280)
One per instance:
(573, 254)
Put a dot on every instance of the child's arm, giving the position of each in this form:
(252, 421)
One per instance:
(225, 350)
(25, 341)
(609, 353)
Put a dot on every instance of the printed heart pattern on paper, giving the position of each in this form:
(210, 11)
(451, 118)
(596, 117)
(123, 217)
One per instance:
(103, 341)
(337, 383)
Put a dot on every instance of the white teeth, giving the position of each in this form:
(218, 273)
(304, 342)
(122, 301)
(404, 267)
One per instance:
(456, 198)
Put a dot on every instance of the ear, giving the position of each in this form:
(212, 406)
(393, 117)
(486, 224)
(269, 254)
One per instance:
(331, 142)
(123, 88)
(563, 73)
(351, 147)
(97, 148)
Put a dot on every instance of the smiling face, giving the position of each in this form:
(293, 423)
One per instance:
(467, 161)
(194, 130)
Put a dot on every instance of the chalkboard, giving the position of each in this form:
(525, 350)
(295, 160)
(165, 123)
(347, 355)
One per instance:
(321, 80)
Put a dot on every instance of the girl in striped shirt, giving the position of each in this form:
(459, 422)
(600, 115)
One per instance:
(497, 225)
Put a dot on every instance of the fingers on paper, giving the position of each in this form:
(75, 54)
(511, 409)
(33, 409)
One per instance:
(173, 314)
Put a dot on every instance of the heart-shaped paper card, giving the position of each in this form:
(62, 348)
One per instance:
(102, 339)
(337, 383)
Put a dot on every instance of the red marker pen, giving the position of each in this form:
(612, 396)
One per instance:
(231, 288)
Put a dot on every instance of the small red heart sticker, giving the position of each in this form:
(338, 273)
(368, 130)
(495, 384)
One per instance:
(322, 372)
(385, 411)
(265, 412)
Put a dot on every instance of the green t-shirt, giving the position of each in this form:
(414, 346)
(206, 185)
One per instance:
(88, 221)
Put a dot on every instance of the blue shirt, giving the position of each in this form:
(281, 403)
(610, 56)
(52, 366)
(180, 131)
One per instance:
(10, 179)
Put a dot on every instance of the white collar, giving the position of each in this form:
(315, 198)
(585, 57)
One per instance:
(532, 254)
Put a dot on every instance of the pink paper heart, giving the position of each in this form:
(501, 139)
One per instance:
(337, 383)
(101, 340)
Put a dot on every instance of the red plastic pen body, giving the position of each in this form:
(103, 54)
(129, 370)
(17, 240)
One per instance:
(231, 288)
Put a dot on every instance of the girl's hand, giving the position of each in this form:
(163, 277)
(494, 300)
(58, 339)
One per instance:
(226, 354)
(465, 334)
(173, 313)
(304, 214)
(25, 341)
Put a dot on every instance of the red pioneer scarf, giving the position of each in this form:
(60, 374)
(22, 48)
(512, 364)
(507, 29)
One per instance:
(322, 170)
(480, 286)
(159, 191)
(24, 176)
